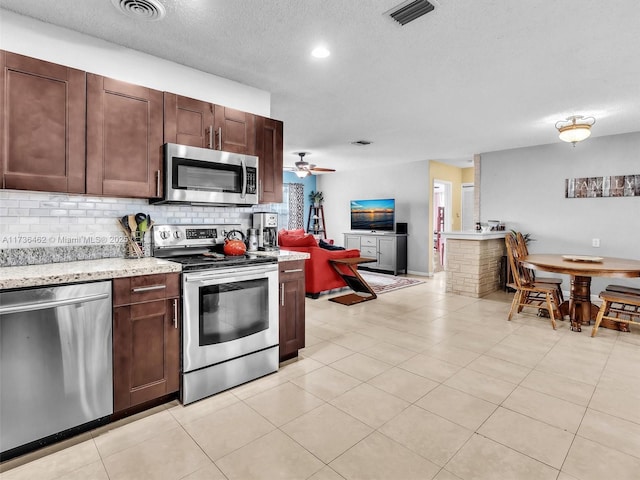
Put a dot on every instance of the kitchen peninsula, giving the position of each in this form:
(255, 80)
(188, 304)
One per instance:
(472, 262)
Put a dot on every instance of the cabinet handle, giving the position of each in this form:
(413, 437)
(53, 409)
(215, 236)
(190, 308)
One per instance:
(157, 183)
(175, 313)
(260, 192)
(292, 271)
(219, 138)
(210, 136)
(282, 294)
(148, 289)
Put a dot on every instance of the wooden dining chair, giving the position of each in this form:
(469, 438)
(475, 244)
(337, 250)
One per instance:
(618, 307)
(528, 292)
(524, 251)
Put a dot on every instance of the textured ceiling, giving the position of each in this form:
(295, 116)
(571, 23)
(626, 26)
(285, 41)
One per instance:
(470, 77)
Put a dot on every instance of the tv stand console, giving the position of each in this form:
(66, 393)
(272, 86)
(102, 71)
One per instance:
(388, 249)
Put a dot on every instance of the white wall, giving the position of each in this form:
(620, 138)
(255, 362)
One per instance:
(407, 183)
(40, 219)
(525, 188)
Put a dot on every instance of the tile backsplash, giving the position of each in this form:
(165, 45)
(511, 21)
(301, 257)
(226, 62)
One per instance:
(69, 222)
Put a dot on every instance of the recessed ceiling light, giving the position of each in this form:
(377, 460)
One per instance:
(320, 52)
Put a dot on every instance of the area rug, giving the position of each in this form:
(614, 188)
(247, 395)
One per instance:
(381, 283)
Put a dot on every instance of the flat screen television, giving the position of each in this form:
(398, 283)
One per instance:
(377, 215)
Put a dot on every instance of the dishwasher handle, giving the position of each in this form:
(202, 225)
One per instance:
(32, 307)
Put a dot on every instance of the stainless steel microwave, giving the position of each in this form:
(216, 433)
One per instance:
(202, 176)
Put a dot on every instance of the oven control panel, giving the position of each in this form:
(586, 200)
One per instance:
(177, 236)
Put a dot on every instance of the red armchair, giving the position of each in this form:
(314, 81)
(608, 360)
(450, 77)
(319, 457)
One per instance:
(319, 275)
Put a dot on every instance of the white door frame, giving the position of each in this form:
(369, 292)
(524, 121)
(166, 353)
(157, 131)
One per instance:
(466, 214)
(448, 186)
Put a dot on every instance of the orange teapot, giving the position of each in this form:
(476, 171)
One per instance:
(234, 243)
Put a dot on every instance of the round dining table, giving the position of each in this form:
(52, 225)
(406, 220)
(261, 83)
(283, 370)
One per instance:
(581, 268)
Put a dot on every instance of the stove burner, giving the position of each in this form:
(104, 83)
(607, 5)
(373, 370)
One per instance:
(215, 260)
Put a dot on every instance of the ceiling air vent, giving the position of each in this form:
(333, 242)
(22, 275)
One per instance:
(409, 11)
(149, 10)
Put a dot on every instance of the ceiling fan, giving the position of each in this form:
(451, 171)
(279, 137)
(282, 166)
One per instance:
(303, 168)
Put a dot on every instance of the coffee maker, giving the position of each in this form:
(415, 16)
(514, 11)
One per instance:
(267, 225)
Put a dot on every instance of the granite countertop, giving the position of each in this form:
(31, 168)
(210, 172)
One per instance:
(104, 269)
(473, 235)
(285, 255)
(82, 271)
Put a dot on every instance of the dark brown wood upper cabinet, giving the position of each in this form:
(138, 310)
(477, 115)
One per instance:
(188, 121)
(269, 146)
(235, 131)
(124, 138)
(42, 123)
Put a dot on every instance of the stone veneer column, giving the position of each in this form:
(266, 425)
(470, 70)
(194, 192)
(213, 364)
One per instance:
(473, 266)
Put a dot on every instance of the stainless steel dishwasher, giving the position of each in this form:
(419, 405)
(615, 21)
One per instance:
(55, 360)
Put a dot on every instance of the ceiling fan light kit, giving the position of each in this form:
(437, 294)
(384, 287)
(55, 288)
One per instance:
(303, 168)
(575, 128)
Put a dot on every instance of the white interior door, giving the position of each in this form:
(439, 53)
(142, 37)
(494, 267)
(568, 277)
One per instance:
(468, 200)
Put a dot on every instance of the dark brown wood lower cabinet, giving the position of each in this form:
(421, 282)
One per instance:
(291, 298)
(146, 339)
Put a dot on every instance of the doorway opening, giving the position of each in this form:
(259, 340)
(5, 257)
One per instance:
(441, 220)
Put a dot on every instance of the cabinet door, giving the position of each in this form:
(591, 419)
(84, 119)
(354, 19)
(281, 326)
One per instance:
(269, 149)
(124, 138)
(145, 352)
(188, 121)
(352, 242)
(42, 123)
(387, 254)
(292, 312)
(235, 131)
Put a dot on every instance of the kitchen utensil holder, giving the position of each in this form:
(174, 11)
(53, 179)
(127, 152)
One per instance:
(135, 247)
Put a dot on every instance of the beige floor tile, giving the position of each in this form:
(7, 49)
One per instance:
(297, 367)
(551, 410)
(325, 352)
(57, 464)
(93, 471)
(274, 456)
(448, 353)
(409, 342)
(327, 473)
(483, 459)
(495, 367)
(325, 331)
(480, 385)
(560, 387)
(429, 367)
(535, 439)
(360, 366)
(354, 341)
(388, 353)
(326, 432)
(510, 353)
(113, 440)
(283, 403)
(456, 406)
(379, 457)
(588, 460)
(446, 475)
(258, 386)
(188, 413)
(612, 432)
(473, 341)
(619, 403)
(208, 472)
(169, 455)
(427, 434)
(370, 405)
(310, 339)
(228, 429)
(326, 383)
(403, 384)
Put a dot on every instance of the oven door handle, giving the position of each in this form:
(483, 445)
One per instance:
(244, 179)
(245, 273)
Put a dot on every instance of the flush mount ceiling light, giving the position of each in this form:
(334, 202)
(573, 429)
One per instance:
(575, 128)
(320, 52)
(149, 10)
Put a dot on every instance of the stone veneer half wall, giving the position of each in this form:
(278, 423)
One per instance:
(473, 266)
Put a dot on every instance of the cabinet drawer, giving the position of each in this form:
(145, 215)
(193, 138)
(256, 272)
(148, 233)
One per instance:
(368, 241)
(369, 252)
(145, 288)
(291, 270)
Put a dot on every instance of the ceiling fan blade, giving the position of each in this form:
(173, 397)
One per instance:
(320, 169)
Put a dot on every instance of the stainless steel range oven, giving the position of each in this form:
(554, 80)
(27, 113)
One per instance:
(229, 306)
